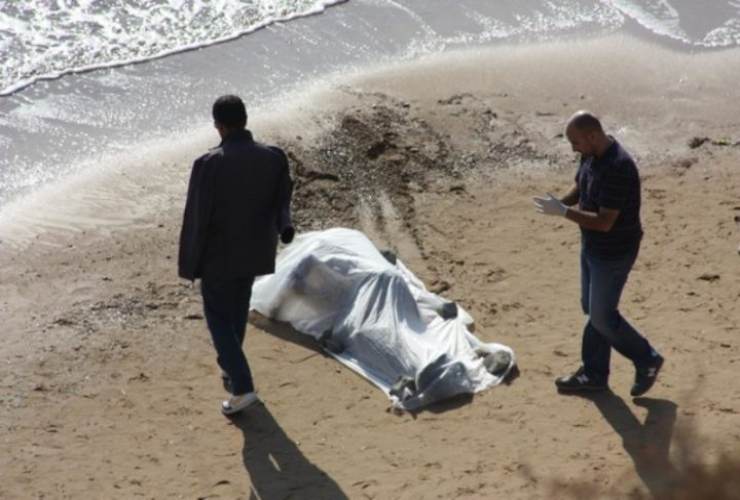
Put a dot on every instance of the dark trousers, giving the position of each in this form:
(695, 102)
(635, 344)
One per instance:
(226, 306)
(602, 282)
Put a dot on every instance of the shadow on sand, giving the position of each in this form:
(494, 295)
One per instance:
(648, 444)
(276, 466)
(284, 331)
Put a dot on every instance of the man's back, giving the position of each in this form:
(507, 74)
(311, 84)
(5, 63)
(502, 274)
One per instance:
(237, 204)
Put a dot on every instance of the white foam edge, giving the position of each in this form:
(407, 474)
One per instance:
(268, 21)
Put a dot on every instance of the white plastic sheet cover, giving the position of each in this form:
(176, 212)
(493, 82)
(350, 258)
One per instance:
(373, 315)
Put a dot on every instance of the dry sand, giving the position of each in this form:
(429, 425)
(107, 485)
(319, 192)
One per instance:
(109, 387)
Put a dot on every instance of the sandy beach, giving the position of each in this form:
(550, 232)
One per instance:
(109, 386)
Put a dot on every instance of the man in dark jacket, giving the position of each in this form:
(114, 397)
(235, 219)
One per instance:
(238, 203)
(605, 203)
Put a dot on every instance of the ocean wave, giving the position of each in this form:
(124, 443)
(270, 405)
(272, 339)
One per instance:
(45, 40)
(682, 21)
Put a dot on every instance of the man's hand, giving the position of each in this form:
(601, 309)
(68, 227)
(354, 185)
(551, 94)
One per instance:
(550, 206)
(287, 235)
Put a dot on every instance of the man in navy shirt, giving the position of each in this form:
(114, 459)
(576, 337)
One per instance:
(607, 192)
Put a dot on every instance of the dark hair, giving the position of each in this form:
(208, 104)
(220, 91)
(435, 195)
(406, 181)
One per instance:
(585, 121)
(229, 111)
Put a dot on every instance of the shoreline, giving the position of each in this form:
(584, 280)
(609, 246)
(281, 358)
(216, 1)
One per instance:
(53, 128)
(110, 381)
(19, 86)
(686, 85)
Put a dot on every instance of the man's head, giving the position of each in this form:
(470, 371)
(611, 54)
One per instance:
(229, 114)
(586, 135)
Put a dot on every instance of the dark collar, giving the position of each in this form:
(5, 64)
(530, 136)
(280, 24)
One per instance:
(608, 155)
(243, 135)
(610, 151)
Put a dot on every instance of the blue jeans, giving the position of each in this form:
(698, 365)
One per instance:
(602, 282)
(226, 307)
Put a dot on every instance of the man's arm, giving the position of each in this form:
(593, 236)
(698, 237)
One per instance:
(285, 220)
(284, 196)
(198, 206)
(603, 220)
(572, 197)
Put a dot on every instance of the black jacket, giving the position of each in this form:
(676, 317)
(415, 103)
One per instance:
(238, 203)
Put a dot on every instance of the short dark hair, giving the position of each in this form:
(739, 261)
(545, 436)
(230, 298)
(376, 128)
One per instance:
(229, 111)
(585, 121)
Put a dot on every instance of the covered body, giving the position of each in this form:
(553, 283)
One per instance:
(373, 315)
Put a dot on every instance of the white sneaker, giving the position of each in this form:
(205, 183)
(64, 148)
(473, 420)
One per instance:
(235, 404)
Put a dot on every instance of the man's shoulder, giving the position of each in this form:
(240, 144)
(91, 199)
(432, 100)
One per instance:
(620, 164)
(213, 154)
(623, 158)
(272, 154)
(272, 150)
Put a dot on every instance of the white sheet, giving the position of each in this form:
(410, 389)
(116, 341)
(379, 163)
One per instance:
(378, 319)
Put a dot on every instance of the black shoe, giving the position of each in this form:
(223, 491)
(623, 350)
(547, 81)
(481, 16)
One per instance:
(580, 382)
(645, 377)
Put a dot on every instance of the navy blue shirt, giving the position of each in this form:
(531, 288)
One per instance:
(611, 181)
